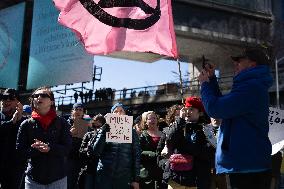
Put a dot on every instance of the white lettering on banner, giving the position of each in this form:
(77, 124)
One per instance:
(276, 129)
(120, 128)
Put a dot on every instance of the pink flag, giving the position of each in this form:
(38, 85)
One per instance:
(106, 26)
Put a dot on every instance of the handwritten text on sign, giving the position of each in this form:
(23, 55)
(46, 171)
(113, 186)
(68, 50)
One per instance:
(276, 129)
(120, 128)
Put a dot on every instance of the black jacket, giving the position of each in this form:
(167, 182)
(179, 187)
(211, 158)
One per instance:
(9, 164)
(117, 160)
(149, 158)
(8, 136)
(90, 162)
(186, 138)
(45, 168)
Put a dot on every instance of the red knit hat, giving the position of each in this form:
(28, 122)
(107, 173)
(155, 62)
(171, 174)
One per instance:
(195, 102)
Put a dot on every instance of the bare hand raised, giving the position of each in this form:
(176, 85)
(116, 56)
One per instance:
(203, 76)
(17, 116)
(210, 69)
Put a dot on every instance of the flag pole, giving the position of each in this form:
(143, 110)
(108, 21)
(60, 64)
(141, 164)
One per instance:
(180, 81)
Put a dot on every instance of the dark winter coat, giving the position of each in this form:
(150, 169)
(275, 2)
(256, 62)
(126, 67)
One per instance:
(45, 168)
(187, 138)
(119, 163)
(149, 159)
(89, 162)
(11, 174)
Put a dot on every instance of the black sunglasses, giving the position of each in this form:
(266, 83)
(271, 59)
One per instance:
(43, 95)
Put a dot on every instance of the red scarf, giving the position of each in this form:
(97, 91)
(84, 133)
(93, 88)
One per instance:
(45, 120)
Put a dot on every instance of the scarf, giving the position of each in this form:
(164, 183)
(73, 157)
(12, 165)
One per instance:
(45, 120)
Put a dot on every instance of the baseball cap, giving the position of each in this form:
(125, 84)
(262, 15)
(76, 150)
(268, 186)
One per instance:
(10, 94)
(254, 54)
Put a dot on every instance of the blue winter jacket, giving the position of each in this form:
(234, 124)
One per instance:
(243, 143)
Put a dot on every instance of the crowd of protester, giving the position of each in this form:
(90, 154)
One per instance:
(45, 150)
(41, 150)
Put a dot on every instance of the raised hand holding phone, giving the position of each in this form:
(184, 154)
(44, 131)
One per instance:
(209, 68)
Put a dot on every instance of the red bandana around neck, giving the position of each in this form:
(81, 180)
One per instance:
(45, 120)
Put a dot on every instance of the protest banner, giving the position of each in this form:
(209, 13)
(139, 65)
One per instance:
(276, 129)
(105, 27)
(120, 128)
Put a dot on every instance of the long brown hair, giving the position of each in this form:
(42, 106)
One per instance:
(171, 113)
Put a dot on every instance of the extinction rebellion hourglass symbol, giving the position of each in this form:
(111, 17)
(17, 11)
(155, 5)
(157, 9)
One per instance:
(96, 9)
(5, 45)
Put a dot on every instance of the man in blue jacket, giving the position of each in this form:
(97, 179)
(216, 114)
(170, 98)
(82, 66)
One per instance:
(243, 150)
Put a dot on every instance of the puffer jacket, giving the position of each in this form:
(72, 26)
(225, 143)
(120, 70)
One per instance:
(117, 161)
(243, 143)
(45, 168)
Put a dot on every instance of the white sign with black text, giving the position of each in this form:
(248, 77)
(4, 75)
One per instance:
(120, 128)
(276, 129)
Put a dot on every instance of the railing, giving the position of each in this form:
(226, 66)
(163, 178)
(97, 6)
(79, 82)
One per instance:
(253, 5)
(189, 88)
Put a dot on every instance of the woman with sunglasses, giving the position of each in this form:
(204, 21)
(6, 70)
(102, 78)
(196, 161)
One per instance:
(45, 140)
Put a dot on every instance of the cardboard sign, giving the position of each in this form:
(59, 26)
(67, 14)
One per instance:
(120, 128)
(80, 128)
(276, 129)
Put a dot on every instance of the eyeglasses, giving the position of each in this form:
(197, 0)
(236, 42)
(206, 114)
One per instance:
(43, 95)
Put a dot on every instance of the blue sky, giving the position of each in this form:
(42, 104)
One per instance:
(120, 73)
